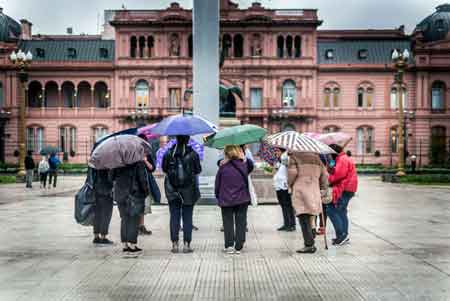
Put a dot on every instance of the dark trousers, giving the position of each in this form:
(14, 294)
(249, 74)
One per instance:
(284, 198)
(43, 178)
(234, 225)
(128, 225)
(180, 211)
(29, 178)
(305, 224)
(52, 174)
(338, 214)
(103, 213)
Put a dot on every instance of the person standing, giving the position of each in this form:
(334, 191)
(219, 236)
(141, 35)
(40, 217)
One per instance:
(344, 181)
(53, 163)
(130, 189)
(306, 177)
(413, 159)
(181, 164)
(103, 186)
(29, 168)
(233, 196)
(43, 171)
(280, 182)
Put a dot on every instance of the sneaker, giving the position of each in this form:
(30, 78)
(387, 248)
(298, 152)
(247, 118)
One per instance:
(282, 228)
(136, 250)
(237, 252)
(290, 229)
(97, 240)
(175, 248)
(307, 250)
(195, 228)
(187, 248)
(126, 252)
(229, 250)
(333, 241)
(221, 229)
(106, 241)
(344, 241)
(144, 231)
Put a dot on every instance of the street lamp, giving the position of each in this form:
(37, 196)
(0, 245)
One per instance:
(21, 60)
(400, 61)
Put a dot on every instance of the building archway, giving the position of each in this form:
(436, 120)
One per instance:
(35, 95)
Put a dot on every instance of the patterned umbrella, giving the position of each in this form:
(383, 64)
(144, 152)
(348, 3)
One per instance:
(339, 138)
(146, 130)
(267, 153)
(296, 142)
(198, 148)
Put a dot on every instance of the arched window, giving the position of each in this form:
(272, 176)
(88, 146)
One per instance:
(51, 94)
(438, 96)
(133, 46)
(2, 97)
(101, 95)
(226, 45)
(238, 43)
(98, 132)
(35, 139)
(84, 95)
(68, 139)
(364, 140)
(393, 139)
(150, 45)
(332, 93)
(35, 95)
(141, 47)
(280, 46)
(298, 46)
(289, 96)
(142, 94)
(331, 129)
(289, 46)
(190, 46)
(438, 146)
(69, 94)
(288, 127)
(394, 98)
(365, 94)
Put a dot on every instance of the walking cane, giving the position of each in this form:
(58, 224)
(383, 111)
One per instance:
(325, 230)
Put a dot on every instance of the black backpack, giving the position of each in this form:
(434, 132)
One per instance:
(179, 170)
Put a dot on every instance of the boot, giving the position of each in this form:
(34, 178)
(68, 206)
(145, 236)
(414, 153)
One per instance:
(187, 248)
(307, 250)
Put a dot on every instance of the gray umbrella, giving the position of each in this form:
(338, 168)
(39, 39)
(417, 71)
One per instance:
(119, 151)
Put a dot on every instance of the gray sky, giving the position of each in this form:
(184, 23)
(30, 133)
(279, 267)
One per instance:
(54, 16)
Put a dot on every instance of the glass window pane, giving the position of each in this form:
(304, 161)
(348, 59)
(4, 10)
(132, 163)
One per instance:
(360, 141)
(73, 139)
(62, 139)
(255, 97)
(30, 139)
(40, 139)
(141, 92)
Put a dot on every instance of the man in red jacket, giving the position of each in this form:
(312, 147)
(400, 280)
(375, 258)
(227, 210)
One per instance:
(344, 181)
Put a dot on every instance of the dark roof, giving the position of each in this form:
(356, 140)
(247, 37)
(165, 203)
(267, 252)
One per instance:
(437, 25)
(347, 52)
(10, 30)
(58, 50)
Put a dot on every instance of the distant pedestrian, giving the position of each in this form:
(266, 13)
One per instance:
(29, 168)
(233, 196)
(43, 171)
(306, 177)
(181, 164)
(280, 181)
(344, 180)
(103, 186)
(54, 164)
(413, 160)
(130, 190)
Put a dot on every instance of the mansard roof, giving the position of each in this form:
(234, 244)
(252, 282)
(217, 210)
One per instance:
(358, 51)
(70, 49)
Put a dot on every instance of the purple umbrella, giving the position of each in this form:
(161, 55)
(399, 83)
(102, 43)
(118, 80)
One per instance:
(197, 147)
(184, 125)
(146, 130)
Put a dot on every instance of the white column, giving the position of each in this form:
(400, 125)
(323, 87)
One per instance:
(206, 70)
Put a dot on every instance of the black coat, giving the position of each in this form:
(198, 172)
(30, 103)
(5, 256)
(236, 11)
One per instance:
(191, 193)
(125, 186)
(29, 163)
(103, 183)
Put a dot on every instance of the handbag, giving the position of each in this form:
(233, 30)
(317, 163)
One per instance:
(135, 206)
(84, 209)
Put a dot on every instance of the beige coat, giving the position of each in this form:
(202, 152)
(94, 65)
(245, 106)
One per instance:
(306, 177)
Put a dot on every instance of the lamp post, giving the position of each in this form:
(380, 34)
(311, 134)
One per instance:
(21, 61)
(400, 61)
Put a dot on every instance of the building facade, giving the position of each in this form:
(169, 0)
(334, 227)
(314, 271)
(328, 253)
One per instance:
(292, 76)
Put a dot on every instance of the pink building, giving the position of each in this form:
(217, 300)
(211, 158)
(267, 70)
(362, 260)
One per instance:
(292, 74)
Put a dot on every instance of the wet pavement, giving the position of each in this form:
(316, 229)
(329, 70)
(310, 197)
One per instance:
(400, 250)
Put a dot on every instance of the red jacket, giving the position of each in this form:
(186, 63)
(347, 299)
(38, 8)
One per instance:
(344, 177)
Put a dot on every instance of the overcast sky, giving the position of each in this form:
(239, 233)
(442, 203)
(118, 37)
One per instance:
(54, 16)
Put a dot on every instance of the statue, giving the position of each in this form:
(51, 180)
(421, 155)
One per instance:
(174, 47)
(256, 48)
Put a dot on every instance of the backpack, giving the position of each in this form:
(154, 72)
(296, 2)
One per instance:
(179, 171)
(53, 162)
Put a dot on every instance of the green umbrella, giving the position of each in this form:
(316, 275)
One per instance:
(49, 149)
(236, 135)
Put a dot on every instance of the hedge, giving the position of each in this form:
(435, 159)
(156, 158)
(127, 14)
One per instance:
(7, 179)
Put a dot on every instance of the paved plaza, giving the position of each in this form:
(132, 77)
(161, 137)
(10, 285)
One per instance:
(400, 250)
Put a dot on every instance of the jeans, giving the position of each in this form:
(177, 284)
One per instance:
(338, 214)
(43, 178)
(128, 225)
(53, 174)
(29, 178)
(180, 211)
(305, 224)
(284, 198)
(234, 225)
(103, 213)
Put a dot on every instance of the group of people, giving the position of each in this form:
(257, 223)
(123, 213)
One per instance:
(47, 168)
(301, 181)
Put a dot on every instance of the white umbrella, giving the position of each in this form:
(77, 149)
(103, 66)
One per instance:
(296, 142)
